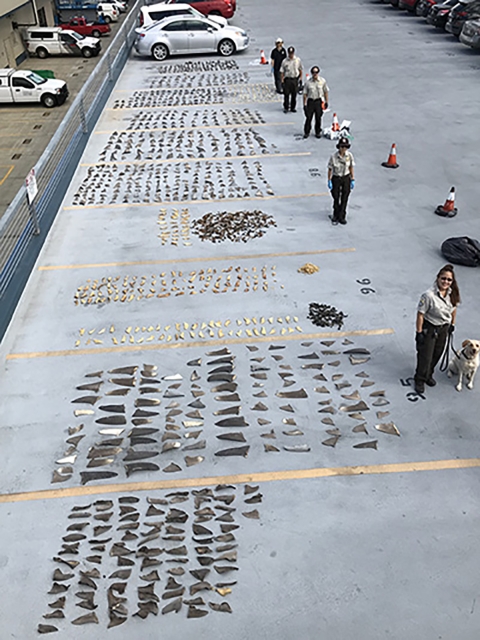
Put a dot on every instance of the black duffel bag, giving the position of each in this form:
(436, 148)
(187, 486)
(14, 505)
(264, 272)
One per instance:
(464, 251)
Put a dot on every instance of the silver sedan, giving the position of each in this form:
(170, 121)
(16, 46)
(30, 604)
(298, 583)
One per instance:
(183, 35)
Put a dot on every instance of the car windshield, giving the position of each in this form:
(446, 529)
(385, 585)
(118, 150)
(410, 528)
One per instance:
(78, 36)
(35, 78)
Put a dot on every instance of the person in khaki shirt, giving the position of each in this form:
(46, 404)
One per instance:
(436, 314)
(341, 180)
(290, 74)
(315, 99)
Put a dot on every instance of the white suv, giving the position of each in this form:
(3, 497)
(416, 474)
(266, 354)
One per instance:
(155, 12)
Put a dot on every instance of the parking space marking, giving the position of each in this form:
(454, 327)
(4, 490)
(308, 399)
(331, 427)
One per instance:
(251, 256)
(188, 160)
(212, 126)
(9, 169)
(263, 476)
(178, 203)
(198, 343)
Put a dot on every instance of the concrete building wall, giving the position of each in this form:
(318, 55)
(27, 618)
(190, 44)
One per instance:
(16, 12)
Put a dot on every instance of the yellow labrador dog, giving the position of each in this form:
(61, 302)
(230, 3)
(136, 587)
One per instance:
(465, 363)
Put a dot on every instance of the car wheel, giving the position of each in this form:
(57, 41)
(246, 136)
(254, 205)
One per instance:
(159, 52)
(48, 100)
(41, 52)
(87, 52)
(226, 48)
(96, 34)
(108, 19)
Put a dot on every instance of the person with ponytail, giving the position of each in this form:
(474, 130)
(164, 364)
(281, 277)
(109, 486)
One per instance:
(436, 314)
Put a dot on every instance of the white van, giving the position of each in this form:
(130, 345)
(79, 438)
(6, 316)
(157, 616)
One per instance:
(108, 11)
(155, 12)
(54, 41)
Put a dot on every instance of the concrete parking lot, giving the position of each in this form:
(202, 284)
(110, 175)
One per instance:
(27, 129)
(285, 512)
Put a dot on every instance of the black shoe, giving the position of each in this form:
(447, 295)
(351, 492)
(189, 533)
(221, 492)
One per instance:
(343, 221)
(293, 110)
(318, 135)
(420, 388)
(285, 111)
(305, 135)
(334, 220)
(431, 382)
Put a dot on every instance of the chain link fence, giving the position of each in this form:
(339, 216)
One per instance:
(23, 228)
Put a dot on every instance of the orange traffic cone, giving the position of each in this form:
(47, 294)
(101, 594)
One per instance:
(263, 59)
(448, 210)
(335, 125)
(391, 163)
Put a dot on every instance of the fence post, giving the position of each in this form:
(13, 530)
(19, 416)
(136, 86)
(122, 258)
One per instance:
(33, 215)
(83, 118)
(109, 63)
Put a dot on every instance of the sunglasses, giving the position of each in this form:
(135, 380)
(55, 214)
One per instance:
(447, 279)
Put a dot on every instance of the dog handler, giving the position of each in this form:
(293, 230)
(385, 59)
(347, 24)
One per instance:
(436, 314)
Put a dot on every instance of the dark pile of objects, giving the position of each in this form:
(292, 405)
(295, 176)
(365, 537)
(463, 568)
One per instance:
(239, 226)
(322, 315)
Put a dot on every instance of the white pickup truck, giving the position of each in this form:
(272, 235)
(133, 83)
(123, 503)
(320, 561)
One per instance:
(28, 86)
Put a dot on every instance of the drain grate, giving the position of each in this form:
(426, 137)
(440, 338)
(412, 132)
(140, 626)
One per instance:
(46, 114)
(27, 141)
(16, 156)
(37, 126)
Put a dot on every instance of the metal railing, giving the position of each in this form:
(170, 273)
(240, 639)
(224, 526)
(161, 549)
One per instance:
(20, 238)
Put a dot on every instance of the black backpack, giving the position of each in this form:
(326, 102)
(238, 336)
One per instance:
(464, 251)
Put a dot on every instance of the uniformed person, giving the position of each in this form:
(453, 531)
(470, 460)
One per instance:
(436, 314)
(277, 56)
(315, 99)
(341, 180)
(290, 74)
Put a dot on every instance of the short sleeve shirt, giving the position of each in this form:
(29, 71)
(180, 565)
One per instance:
(436, 309)
(291, 67)
(278, 56)
(315, 89)
(341, 166)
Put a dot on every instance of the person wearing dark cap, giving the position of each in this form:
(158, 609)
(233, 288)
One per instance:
(290, 73)
(315, 98)
(341, 180)
(277, 56)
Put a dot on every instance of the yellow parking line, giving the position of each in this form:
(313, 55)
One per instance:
(182, 203)
(199, 343)
(11, 167)
(212, 126)
(265, 476)
(253, 256)
(210, 159)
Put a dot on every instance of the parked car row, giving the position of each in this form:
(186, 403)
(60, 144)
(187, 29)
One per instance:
(462, 19)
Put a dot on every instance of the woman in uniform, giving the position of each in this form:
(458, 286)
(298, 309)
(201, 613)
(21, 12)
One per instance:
(436, 314)
(341, 180)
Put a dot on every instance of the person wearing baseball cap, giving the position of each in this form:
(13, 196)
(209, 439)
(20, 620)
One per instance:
(277, 56)
(341, 180)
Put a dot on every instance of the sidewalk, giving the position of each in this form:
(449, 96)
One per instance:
(27, 129)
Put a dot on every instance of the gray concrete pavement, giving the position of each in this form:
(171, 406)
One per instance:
(382, 551)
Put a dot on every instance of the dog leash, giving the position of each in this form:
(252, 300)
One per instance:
(448, 346)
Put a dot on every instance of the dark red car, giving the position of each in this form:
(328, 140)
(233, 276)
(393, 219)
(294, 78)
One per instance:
(424, 6)
(224, 8)
(409, 5)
